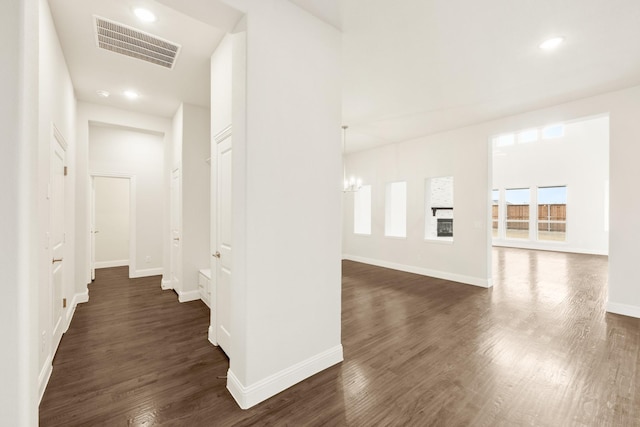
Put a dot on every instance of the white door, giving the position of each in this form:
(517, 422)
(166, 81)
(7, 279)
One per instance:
(56, 204)
(222, 248)
(176, 227)
(93, 229)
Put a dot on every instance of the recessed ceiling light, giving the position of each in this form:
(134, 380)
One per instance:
(144, 15)
(102, 93)
(551, 43)
(131, 94)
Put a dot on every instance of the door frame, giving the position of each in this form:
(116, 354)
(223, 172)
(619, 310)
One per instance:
(175, 259)
(58, 326)
(132, 219)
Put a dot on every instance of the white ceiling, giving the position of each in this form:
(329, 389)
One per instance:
(417, 67)
(161, 90)
(411, 67)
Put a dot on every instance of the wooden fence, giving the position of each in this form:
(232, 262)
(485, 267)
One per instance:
(546, 213)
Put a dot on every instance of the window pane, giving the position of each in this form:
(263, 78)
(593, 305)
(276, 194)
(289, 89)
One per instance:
(517, 221)
(530, 135)
(362, 210)
(555, 131)
(495, 203)
(395, 221)
(552, 213)
(439, 208)
(504, 140)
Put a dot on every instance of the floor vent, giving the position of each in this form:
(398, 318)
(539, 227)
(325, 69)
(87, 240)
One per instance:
(134, 43)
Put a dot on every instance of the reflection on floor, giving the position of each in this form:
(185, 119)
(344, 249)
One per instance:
(537, 349)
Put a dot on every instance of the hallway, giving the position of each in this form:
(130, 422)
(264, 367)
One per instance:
(537, 349)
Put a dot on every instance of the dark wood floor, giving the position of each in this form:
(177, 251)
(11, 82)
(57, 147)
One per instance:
(537, 349)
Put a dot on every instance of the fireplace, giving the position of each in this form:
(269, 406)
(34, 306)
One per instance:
(445, 227)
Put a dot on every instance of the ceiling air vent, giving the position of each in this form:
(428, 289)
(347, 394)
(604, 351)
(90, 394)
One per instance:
(128, 41)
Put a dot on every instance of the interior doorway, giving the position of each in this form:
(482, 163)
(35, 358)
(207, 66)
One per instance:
(112, 222)
(550, 187)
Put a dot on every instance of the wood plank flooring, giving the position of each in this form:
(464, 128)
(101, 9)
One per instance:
(537, 349)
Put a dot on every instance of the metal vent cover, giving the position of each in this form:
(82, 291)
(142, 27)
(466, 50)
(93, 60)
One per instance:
(120, 38)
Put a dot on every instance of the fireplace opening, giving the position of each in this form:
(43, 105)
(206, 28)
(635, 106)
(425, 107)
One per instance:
(445, 227)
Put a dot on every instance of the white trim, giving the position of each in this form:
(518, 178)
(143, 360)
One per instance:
(212, 336)
(109, 264)
(248, 396)
(77, 299)
(204, 298)
(188, 296)
(58, 136)
(158, 271)
(623, 309)
(47, 369)
(166, 283)
(467, 280)
(44, 377)
(222, 135)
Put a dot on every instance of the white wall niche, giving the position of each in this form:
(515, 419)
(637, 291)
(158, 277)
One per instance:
(395, 211)
(362, 211)
(438, 212)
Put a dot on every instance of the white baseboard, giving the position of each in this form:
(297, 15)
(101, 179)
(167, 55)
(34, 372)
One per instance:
(623, 309)
(147, 273)
(43, 378)
(248, 396)
(47, 369)
(468, 280)
(166, 284)
(212, 336)
(109, 264)
(188, 296)
(77, 299)
(204, 299)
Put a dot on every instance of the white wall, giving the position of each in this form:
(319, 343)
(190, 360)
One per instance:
(136, 123)
(191, 135)
(460, 154)
(57, 107)
(18, 199)
(579, 160)
(112, 221)
(286, 290)
(117, 150)
(623, 108)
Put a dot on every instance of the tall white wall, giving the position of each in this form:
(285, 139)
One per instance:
(90, 116)
(57, 107)
(112, 221)
(18, 199)
(116, 150)
(623, 108)
(579, 160)
(286, 292)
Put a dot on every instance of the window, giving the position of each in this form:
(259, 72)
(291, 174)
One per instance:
(439, 208)
(504, 140)
(526, 136)
(555, 131)
(552, 214)
(495, 211)
(362, 210)
(395, 220)
(517, 204)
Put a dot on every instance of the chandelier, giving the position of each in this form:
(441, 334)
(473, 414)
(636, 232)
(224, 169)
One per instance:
(351, 184)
